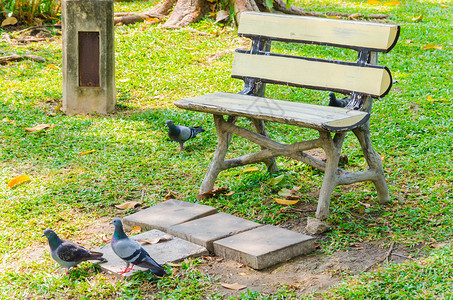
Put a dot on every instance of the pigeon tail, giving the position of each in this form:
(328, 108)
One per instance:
(153, 266)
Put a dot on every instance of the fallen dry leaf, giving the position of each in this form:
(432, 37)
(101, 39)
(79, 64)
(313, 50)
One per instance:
(18, 180)
(50, 66)
(136, 229)
(392, 3)
(374, 2)
(417, 19)
(163, 238)
(86, 152)
(438, 245)
(9, 21)
(128, 205)
(285, 202)
(39, 127)
(432, 46)
(250, 169)
(444, 6)
(172, 195)
(217, 191)
(174, 265)
(233, 286)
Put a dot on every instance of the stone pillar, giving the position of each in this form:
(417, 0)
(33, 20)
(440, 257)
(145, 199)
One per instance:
(88, 56)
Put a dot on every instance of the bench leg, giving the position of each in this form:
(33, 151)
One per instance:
(216, 166)
(332, 148)
(374, 162)
(260, 128)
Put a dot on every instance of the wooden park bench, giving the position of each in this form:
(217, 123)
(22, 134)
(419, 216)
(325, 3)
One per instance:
(362, 80)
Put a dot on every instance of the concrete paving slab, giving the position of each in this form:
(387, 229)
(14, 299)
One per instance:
(168, 213)
(264, 246)
(173, 250)
(206, 230)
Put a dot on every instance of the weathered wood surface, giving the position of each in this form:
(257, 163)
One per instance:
(287, 112)
(332, 76)
(350, 34)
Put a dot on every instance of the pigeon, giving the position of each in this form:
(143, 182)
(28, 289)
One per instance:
(67, 253)
(131, 252)
(338, 102)
(181, 134)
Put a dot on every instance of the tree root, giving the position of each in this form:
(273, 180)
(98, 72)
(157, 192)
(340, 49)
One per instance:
(15, 57)
(185, 12)
(280, 5)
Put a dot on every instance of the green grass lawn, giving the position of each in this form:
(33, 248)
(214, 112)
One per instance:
(134, 159)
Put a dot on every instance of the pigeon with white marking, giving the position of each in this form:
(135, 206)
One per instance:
(67, 253)
(333, 101)
(181, 134)
(131, 252)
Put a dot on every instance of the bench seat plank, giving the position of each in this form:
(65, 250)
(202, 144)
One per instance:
(287, 112)
(350, 34)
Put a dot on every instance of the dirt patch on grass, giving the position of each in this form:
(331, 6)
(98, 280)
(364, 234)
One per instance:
(305, 274)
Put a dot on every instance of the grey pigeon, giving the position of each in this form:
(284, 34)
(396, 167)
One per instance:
(131, 252)
(180, 134)
(67, 253)
(338, 102)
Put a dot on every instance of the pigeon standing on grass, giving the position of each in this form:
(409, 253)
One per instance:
(67, 253)
(131, 252)
(181, 134)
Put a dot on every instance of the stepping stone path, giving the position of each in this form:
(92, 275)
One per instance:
(200, 229)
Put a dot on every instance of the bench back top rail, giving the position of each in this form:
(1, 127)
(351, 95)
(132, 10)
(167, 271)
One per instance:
(347, 34)
(359, 79)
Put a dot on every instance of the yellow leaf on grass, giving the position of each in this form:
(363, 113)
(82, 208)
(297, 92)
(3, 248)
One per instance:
(334, 17)
(39, 127)
(86, 152)
(127, 205)
(445, 6)
(417, 19)
(285, 202)
(9, 21)
(374, 2)
(432, 46)
(50, 66)
(392, 3)
(250, 169)
(435, 100)
(18, 180)
(233, 286)
(136, 229)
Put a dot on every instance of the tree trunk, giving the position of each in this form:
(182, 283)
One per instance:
(189, 11)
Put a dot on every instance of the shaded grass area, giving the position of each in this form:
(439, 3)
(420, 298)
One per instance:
(134, 159)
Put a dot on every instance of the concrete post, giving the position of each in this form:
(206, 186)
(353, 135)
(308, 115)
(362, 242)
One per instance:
(88, 56)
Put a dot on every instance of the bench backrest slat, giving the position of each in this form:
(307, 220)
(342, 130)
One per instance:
(324, 75)
(348, 34)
